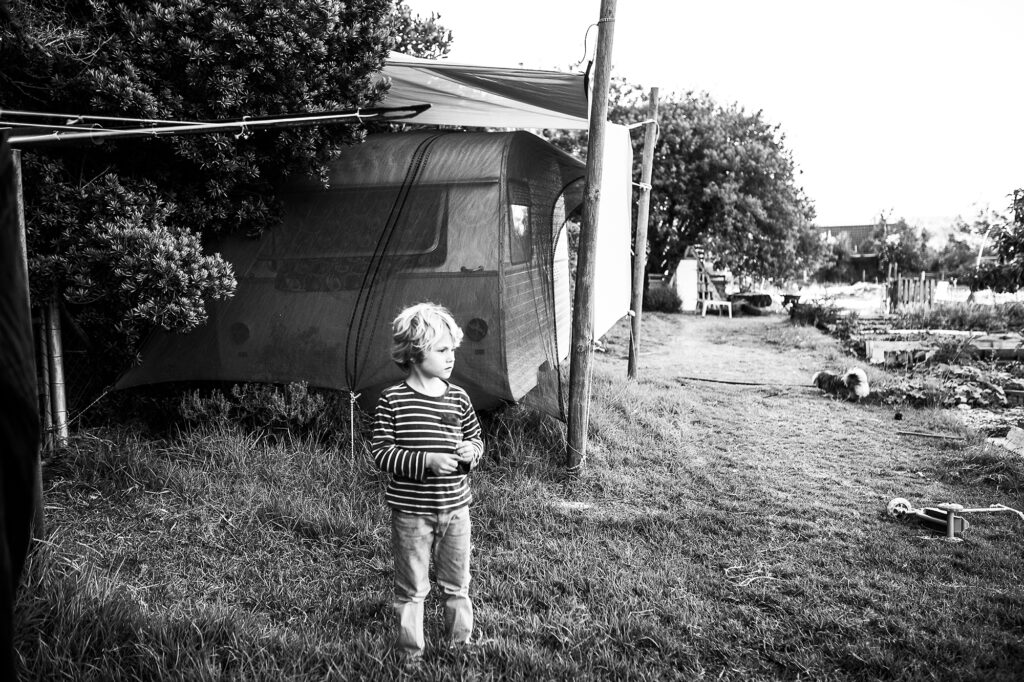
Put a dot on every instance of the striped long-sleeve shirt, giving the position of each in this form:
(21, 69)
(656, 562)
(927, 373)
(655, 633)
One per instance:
(407, 426)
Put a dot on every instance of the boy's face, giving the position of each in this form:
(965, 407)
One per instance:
(439, 360)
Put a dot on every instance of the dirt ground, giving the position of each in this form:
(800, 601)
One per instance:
(746, 383)
(724, 349)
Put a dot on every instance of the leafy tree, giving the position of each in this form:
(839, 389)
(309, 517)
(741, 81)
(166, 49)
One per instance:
(838, 263)
(722, 179)
(116, 230)
(958, 257)
(1006, 274)
(899, 244)
(420, 36)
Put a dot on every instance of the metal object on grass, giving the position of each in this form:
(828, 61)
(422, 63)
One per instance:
(943, 517)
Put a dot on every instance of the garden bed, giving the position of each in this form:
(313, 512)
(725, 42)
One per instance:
(926, 361)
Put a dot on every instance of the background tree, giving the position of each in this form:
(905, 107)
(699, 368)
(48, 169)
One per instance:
(116, 229)
(419, 36)
(901, 245)
(958, 257)
(1006, 272)
(722, 179)
(838, 265)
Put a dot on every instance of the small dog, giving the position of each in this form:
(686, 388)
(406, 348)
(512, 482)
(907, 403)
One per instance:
(851, 385)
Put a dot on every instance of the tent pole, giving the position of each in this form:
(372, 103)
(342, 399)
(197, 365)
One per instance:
(640, 238)
(57, 389)
(581, 363)
(38, 525)
(43, 372)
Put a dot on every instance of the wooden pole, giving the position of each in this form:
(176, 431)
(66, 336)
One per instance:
(581, 362)
(57, 393)
(46, 405)
(640, 238)
(38, 519)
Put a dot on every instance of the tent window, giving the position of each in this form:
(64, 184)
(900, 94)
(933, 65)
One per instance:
(328, 239)
(519, 241)
(352, 222)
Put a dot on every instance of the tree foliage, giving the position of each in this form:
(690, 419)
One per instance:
(890, 247)
(117, 229)
(121, 250)
(900, 245)
(908, 249)
(959, 256)
(187, 60)
(723, 180)
(1006, 273)
(420, 36)
(838, 264)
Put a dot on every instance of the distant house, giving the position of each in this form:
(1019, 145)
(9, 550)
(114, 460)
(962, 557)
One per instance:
(863, 263)
(853, 235)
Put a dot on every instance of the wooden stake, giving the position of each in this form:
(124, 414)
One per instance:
(45, 404)
(581, 362)
(57, 394)
(640, 237)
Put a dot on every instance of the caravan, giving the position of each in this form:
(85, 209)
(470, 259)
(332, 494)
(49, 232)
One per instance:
(473, 221)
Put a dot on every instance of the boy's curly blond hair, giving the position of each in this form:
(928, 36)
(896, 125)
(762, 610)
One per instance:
(418, 328)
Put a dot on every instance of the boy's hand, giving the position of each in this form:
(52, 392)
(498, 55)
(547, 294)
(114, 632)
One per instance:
(466, 452)
(441, 463)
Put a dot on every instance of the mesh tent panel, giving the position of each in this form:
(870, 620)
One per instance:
(466, 220)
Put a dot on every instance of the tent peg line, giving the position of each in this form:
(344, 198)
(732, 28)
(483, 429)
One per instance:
(352, 397)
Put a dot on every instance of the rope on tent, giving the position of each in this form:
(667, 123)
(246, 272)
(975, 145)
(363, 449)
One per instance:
(352, 397)
(586, 49)
(370, 276)
(248, 123)
(376, 262)
(573, 472)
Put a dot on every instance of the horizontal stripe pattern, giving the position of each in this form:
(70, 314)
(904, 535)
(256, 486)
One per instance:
(408, 426)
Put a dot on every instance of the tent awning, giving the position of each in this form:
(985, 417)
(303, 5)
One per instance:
(487, 96)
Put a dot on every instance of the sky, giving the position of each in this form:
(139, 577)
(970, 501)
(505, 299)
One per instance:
(909, 108)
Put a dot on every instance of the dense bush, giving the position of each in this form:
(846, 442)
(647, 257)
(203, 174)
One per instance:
(662, 300)
(820, 315)
(271, 409)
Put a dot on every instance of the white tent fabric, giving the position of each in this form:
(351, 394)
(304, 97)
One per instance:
(497, 97)
(487, 96)
(612, 263)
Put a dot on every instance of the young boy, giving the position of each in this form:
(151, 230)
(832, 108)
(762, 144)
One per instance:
(426, 435)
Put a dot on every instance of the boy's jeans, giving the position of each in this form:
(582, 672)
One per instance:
(413, 538)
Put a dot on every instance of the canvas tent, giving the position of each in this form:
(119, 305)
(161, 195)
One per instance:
(475, 221)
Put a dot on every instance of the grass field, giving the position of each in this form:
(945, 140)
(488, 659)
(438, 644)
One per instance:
(729, 524)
